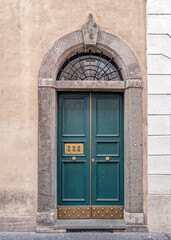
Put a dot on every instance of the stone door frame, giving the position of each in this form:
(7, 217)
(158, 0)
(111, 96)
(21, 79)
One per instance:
(112, 46)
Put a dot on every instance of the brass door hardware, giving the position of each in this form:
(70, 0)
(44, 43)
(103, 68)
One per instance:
(74, 148)
(107, 158)
(90, 150)
(96, 212)
(107, 212)
(74, 212)
(73, 158)
(92, 160)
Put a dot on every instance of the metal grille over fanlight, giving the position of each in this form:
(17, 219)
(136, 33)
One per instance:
(90, 66)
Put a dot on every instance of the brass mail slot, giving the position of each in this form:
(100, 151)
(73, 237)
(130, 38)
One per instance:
(74, 148)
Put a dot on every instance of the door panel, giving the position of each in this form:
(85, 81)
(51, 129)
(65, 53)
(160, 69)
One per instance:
(73, 141)
(73, 117)
(107, 116)
(107, 173)
(107, 148)
(107, 141)
(72, 189)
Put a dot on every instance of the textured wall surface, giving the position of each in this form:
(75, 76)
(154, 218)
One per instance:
(159, 114)
(28, 29)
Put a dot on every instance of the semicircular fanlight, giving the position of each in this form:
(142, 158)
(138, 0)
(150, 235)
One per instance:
(90, 66)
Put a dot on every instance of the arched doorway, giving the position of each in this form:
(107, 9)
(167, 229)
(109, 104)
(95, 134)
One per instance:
(130, 87)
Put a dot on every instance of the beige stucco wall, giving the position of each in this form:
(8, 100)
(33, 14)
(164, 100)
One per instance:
(28, 29)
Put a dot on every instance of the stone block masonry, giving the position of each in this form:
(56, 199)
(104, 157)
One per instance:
(159, 114)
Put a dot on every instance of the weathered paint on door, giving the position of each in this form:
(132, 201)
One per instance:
(92, 122)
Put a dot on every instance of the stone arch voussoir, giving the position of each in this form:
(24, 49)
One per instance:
(48, 67)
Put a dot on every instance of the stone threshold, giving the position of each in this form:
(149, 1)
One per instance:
(91, 225)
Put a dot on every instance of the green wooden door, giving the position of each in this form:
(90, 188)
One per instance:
(107, 149)
(90, 168)
(73, 127)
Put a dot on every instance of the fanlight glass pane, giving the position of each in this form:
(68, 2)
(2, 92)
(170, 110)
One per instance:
(90, 66)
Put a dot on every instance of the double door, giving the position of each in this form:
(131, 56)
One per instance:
(90, 166)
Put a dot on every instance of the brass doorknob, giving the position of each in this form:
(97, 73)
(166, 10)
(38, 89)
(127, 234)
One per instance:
(73, 158)
(107, 158)
(92, 160)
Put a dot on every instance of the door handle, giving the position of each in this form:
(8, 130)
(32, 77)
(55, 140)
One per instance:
(107, 158)
(73, 158)
(92, 159)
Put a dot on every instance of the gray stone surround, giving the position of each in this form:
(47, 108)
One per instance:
(48, 88)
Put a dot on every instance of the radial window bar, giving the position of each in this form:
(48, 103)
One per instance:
(90, 66)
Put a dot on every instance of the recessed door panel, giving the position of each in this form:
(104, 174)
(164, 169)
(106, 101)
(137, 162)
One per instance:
(107, 116)
(73, 118)
(107, 148)
(74, 181)
(107, 174)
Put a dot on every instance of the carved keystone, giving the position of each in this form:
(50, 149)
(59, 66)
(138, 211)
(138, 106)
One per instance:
(90, 32)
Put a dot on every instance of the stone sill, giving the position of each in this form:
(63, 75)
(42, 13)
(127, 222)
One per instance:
(95, 225)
